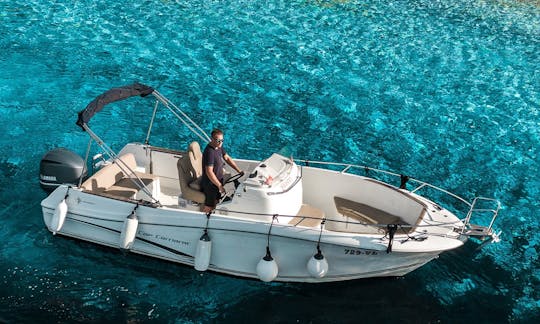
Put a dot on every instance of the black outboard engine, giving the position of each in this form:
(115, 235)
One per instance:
(60, 166)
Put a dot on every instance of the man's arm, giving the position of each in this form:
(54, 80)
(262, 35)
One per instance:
(230, 162)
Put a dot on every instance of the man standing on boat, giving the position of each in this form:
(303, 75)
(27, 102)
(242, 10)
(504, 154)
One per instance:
(214, 158)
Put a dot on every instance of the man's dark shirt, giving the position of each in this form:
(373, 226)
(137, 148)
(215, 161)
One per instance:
(213, 156)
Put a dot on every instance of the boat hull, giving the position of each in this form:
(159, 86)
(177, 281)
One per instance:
(237, 245)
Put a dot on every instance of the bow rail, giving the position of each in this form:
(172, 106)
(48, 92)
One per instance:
(477, 209)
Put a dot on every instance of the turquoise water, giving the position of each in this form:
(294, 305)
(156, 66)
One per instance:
(445, 91)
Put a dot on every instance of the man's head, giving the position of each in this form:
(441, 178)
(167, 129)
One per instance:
(217, 137)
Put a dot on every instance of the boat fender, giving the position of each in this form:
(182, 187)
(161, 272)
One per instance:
(267, 268)
(317, 265)
(129, 230)
(59, 216)
(203, 252)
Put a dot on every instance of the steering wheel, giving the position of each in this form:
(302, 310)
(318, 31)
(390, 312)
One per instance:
(224, 196)
(235, 177)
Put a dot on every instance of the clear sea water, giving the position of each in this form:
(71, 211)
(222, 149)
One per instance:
(446, 91)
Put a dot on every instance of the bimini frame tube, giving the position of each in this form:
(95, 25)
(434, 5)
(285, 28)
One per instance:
(121, 93)
(151, 122)
(121, 164)
(183, 117)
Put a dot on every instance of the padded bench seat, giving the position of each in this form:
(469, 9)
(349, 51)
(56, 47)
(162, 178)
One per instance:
(365, 214)
(112, 181)
(126, 187)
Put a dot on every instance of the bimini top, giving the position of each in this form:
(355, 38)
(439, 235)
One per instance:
(115, 94)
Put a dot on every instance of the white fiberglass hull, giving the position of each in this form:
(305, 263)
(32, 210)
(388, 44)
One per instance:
(237, 244)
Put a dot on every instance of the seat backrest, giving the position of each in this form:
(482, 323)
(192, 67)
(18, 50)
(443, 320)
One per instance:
(195, 158)
(189, 170)
(110, 174)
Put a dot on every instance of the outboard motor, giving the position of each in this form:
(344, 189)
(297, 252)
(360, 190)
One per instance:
(60, 166)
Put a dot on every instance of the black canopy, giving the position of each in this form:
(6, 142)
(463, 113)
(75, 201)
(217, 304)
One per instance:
(115, 94)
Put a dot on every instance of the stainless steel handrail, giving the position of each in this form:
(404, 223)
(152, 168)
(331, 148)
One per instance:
(298, 178)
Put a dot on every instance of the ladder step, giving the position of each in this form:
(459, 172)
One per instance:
(476, 230)
(486, 205)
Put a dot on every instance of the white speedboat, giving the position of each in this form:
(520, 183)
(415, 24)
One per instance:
(284, 220)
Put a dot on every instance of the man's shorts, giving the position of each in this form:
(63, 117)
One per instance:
(211, 193)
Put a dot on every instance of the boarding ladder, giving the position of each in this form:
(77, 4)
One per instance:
(482, 208)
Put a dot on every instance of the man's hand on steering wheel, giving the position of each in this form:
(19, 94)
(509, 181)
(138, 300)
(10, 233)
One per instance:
(235, 177)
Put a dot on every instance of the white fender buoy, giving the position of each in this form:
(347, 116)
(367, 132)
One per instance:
(129, 230)
(317, 265)
(203, 252)
(267, 268)
(59, 216)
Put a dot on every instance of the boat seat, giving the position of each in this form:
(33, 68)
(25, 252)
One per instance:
(126, 188)
(189, 174)
(365, 214)
(112, 181)
(308, 216)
